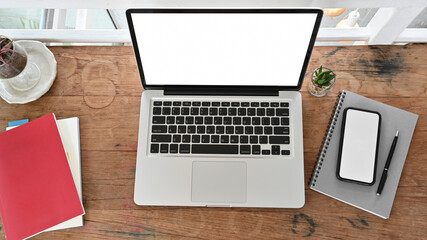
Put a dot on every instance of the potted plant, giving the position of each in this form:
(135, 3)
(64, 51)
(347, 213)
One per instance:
(13, 58)
(322, 80)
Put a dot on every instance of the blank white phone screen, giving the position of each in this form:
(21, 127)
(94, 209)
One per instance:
(359, 146)
(223, 49)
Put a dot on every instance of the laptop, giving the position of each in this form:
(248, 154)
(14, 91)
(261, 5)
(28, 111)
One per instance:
(221, 115)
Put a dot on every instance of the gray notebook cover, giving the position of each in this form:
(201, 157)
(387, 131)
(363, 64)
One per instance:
(324, 178)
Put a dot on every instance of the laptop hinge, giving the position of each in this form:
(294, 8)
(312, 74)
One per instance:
(221, 92)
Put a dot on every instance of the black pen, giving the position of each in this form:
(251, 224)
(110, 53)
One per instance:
(387, 164)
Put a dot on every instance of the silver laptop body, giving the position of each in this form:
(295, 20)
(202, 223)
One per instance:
(221, 114)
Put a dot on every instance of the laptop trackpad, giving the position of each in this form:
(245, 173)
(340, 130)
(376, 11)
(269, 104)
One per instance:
(220, 182)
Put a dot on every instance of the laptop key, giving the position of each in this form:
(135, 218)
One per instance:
(167, 103)
(263, 139)
(197, 104)
(173, 148)
(219, 130)
(284, 104)
(286, 152)
(275, 121)
(217, 120)
(265, 104)
(161, 138)
(281, 130)
(237, 120)
(282, 112)
(191, 129)
(229, 130)
(225, 139)
(157, 103)
(270, 111)
(232, 111)
(214, 149)
(255, 104)
(245, 149)
(157, 110)
(249, 130)
(154, 148)
(176, 104)
(279, 139)
(268, 130)
(166, 111)
(195, 139)
(176, 138)
(172, 129)
(213, 111)
(258, 130)
(185, 138)
(241, 112)
(206, 138)
(159, 129)
(206, 104)
(274, 104)
(243, 139)
(210, 129)
(189, 120)
(216, 104)
(246, 121)
(186, 103)
(265, 152)
(198, 120)
(256, 149)
(185, 111)
(182, 129)
(201, 129)
(235, 104)
(234, 139)
(179, 120)
(275, 150)
(159, 120)
(254, 139)
(251, 111)
(239, 130)
(215, 139)
(170, 120)
(284, 121)
(225, 104)
(223, 111)
(265, 121)
(260, 112)
(184, 148)
(164, 148)
(204, 111)
(256, 121)
(176, 111)
(245, 104)
(194, 111)
(227, 120)
(208, 120)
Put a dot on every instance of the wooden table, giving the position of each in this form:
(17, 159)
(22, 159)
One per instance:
(101, 86)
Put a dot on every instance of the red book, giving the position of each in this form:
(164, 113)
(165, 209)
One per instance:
(37, 190)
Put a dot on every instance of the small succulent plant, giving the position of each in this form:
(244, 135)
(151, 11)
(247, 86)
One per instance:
(323, 79)
(6, 49)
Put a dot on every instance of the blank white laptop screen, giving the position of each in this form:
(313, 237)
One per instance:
(223, 49)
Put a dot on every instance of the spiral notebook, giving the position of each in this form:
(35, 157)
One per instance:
(324, 178)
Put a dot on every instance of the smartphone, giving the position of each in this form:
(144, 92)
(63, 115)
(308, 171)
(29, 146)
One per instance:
(358, 152)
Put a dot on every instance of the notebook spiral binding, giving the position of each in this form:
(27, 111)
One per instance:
(327, 139)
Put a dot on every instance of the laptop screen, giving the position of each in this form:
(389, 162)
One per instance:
(223, 48)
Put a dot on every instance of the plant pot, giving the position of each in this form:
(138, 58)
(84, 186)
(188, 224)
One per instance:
(320, 91)
(21, 74)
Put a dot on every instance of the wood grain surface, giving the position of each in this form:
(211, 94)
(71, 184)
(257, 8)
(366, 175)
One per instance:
(101, 86)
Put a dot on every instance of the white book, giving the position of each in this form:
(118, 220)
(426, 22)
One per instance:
(70, 134)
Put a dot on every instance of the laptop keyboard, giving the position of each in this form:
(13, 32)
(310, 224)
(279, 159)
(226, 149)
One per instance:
(220, 127)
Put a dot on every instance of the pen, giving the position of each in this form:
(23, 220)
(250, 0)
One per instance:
(387, 164)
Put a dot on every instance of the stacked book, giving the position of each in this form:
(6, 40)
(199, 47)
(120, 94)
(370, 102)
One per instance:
(40, 177)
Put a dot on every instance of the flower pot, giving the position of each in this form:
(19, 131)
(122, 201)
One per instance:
(320, 91)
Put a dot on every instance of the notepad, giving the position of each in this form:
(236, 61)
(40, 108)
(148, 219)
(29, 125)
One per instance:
(357, 156)
(37, 190)
(324, 178)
